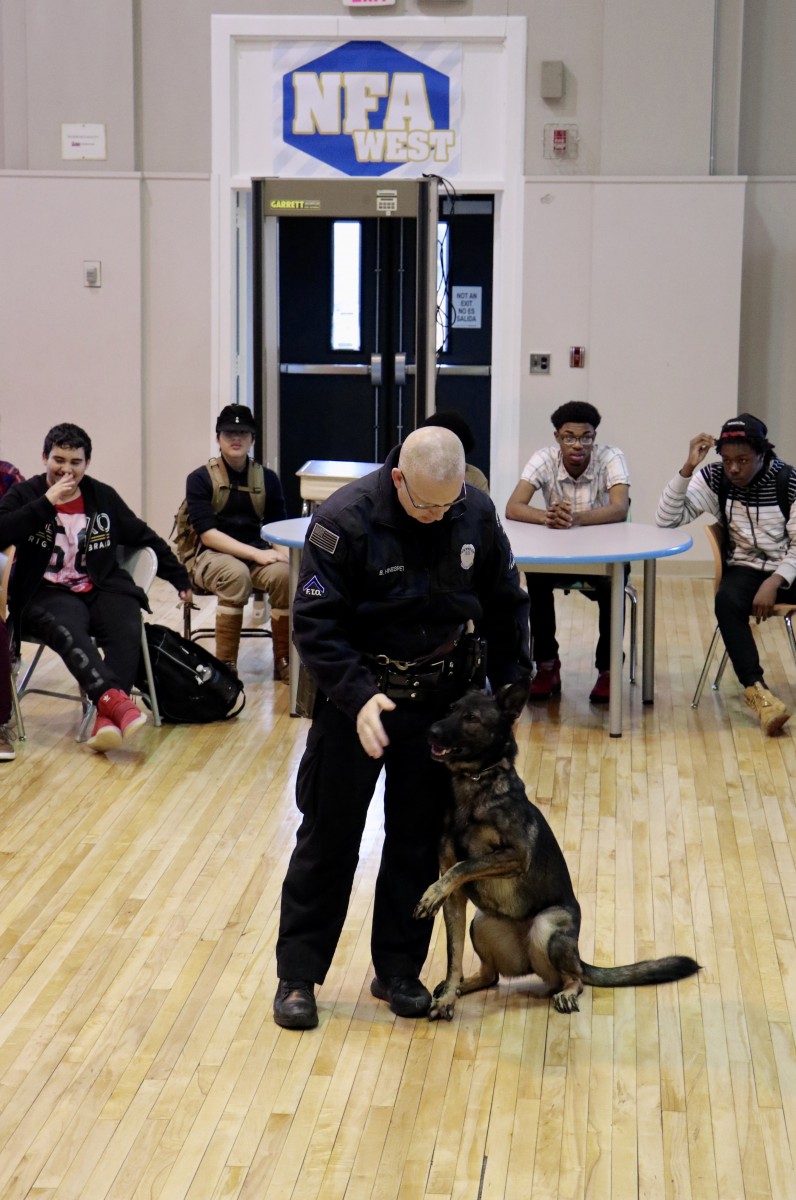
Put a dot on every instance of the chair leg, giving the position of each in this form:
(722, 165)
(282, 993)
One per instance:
(89, 716)
(150, 679)
(26, 675)
(716, 682)
(791, 638)
(706, 668)
(632, 596)
(20, 724)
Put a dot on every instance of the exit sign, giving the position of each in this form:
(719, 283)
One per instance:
(367, 3)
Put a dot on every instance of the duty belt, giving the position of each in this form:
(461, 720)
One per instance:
(448, 667)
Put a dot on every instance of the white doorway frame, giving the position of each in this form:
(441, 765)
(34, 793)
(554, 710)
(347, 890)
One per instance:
(508, 36)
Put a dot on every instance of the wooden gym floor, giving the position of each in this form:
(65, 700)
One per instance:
(139, 897)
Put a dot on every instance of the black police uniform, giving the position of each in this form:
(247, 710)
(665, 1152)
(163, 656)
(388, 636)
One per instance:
(376, 585)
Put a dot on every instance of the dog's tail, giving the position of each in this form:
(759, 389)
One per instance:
(651, 970)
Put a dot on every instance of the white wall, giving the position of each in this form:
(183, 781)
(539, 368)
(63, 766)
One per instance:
(178, 421)
(68, 352)
(647, 276)
(768, 313)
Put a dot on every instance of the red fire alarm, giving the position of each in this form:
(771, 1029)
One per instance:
(577, 356)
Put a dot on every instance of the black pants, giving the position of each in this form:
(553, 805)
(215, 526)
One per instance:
(335, 785)
(5, 675)
(544, 646)
(733, 610)
(68, 621)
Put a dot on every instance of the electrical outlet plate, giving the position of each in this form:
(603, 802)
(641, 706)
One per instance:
(540, 364)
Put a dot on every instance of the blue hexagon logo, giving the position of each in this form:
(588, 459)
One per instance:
(367, 108)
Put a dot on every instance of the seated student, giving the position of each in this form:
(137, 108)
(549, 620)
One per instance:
(9, 475)
(232, 558)
(67, 587)
(582, 484)
(448, 419)
(753, 493)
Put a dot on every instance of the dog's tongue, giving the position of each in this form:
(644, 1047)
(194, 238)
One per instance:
(438, 751)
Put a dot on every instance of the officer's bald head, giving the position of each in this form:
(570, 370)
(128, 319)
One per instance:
(435, 453)
(429, 477)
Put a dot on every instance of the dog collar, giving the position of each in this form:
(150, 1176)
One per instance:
(476, 775)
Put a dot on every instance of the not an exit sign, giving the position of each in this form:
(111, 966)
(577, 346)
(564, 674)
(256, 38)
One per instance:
(367, 3)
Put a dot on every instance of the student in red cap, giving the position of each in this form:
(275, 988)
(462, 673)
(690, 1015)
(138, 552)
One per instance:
(753, 493)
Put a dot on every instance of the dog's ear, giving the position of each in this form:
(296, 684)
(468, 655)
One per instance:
(511, 698)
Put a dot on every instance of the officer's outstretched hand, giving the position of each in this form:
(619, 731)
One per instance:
(369, 727)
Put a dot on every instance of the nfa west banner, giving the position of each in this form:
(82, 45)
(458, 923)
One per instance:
(367, 108)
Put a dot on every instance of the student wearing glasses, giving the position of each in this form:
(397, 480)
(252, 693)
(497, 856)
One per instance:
(397, 570)
(582, 483)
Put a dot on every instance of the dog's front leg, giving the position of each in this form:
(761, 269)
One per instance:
(486, 866)
(445, 993)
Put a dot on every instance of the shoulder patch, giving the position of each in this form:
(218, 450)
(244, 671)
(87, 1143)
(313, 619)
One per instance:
(323, 538)
(314, 587)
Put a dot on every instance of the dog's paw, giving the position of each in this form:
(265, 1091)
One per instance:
(430, 903)
(442, 1006)
(566, 1002)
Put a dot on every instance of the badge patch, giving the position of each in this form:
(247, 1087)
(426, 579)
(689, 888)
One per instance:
(467, 556)
(314, 587)
(324, 539)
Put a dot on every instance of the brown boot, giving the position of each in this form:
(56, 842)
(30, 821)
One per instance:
(280, 631)
(229, 621)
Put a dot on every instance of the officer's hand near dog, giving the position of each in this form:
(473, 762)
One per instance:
(372, 734)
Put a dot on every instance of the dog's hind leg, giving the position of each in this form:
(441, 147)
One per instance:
(502, 946)
(553, 942)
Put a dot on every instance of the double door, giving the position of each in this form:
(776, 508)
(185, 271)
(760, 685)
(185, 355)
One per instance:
(349, 288)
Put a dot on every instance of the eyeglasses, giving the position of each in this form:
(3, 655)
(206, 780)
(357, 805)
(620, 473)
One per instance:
(586, 439)
(424, 507)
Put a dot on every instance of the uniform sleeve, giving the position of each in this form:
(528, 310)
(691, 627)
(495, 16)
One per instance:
(199, 497)
(505, 623)
(322, 615)
(684, 499)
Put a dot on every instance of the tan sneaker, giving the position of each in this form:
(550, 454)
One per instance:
(772, 712)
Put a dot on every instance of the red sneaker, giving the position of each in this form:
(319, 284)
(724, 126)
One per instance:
(106, 736)
(547, 680)
(601, 692)
(119, 708)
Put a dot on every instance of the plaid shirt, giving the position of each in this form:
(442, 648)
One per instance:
(548, 475)
(9, 475)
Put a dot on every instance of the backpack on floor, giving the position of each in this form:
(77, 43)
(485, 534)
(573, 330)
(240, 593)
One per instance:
(193, 687)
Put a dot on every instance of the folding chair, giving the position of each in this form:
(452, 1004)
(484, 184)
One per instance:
(259, 605)
(142, 564)
(715, 535)
(630, 594)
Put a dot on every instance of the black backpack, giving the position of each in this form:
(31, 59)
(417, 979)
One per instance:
(192, 685)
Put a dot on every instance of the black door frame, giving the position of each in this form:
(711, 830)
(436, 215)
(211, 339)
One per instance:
(308, 198)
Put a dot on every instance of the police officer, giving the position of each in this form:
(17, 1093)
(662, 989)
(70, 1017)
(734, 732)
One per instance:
(396, 568)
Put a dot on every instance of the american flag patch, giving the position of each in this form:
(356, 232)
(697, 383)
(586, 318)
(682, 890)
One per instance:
(323, 538)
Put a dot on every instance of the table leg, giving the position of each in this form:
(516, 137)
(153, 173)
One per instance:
(617, 626)
(648, 648)
(295, 563)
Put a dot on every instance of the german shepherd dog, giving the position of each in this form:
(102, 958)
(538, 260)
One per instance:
(499, 852)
